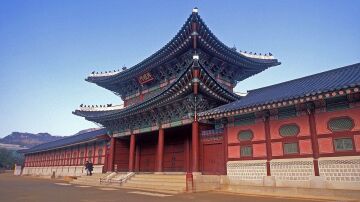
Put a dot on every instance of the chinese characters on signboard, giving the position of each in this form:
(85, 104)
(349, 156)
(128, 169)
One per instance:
(145, 78)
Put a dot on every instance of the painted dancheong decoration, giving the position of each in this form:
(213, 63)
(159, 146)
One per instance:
(180, 114)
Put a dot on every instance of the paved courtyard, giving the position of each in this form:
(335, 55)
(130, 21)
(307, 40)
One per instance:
(15, 188)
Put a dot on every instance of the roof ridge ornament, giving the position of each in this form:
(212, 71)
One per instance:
(195, 10)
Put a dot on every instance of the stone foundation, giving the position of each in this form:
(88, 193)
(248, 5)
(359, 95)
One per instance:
(246, 172)
(335, 173)
(341, 172)
(59, 170)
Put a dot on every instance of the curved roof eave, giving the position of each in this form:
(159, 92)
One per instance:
(183, 34)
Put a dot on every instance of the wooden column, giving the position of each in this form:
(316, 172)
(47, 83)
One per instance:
(86, 153)
(78, 155)
(187, 154)
(225, 143)
(313, 134)
(266, 119)
(132, 153)
(110, 159)
(160, 150)
(137, 158)
(195, 146)
(94, 150)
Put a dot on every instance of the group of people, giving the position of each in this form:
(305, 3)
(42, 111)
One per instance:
(89, 168)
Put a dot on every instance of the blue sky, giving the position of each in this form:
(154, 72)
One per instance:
(47, 48)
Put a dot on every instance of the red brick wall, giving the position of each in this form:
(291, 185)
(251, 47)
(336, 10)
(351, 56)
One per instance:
(66, 156)
(322, 119)
(325, 136)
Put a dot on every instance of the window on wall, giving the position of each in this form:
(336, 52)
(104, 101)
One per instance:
(341, 124)
(74, 158)
(245, 135)
(245, 151)
(100, 153)
(291, 148)
(218, 124)
(68, 160)
(63, 159)
(90, 155)
(337, 103)
(343, 144)
(286, 112)
(246, 119)
(289, 130)
(82, 157)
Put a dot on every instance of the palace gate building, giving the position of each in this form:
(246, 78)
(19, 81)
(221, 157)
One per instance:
(180, 114)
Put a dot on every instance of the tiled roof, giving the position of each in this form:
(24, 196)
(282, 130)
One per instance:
(336, 79)
(179, 44)
(169, 91)
(71, 140)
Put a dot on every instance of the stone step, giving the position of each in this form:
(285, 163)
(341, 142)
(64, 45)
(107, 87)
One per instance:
(155, 191)
(155, 176)
(154, 188)
(91, 179)
(85, 183)
(156, 183)
(158, 180)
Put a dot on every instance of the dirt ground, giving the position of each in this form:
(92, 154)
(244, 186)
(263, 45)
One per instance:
(29, 189)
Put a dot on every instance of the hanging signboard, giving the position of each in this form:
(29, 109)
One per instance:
(145, 78)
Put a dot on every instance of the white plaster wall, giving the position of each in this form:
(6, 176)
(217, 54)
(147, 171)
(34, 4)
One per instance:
(59, 170)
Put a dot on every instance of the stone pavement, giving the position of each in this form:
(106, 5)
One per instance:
(18, 189)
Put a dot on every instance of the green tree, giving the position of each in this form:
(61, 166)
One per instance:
(8, 158)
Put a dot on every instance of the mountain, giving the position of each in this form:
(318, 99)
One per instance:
(28, 139)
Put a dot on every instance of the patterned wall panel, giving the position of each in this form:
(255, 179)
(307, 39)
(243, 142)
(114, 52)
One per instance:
(340, 169)
(292, 169)
(246, 170)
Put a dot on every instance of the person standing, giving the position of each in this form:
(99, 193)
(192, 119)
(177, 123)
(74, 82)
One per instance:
(90, 168)
(87, 165)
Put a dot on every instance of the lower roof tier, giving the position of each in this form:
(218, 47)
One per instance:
(344, 78)
(68, 141)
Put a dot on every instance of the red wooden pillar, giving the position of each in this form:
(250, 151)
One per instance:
(187, 154)
(93, 160)
(86, 154)
(268, 142)
(160, 150)
(132, 153)
(195, 146)
(78, 155)
(313, 134)
(225, 143)
(110, 159)
(137, 158)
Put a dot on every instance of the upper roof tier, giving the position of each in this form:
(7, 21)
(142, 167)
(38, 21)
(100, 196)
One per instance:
(194, 31)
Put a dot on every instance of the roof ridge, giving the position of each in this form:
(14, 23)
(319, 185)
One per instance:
(64, 138)
(308, 76)
(142, 62)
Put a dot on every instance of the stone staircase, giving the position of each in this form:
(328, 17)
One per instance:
(93, 180)
(163, 183)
